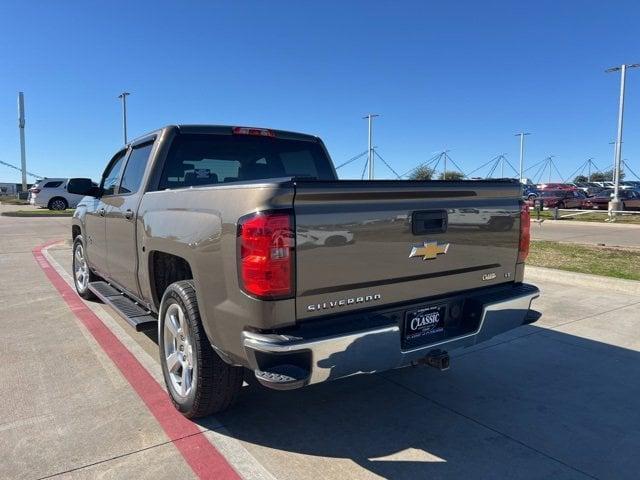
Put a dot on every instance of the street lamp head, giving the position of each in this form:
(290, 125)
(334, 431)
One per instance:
(123, 94)
(617, 69)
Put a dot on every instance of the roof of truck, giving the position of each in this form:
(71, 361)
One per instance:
(226, 130)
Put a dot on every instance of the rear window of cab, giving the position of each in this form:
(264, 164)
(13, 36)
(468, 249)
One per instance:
(211, 159)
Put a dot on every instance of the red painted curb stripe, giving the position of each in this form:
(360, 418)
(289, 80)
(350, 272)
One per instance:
(203, 458)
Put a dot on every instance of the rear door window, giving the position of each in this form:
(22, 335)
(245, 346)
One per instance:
(134, 170)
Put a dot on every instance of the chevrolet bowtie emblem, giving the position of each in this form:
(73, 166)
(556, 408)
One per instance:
(429, 250)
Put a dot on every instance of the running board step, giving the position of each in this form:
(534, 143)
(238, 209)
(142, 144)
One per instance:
(136, 316)
(283, 377)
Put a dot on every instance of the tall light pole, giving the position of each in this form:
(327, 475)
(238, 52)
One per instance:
(613, 165)
(370, 117)
(615, 203)
(23, 155)
(123, 96)
(521, 135)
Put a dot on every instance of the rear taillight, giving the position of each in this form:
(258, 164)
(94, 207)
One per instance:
(34, 190)
(259, 132)
(525, 233)
(266, 249)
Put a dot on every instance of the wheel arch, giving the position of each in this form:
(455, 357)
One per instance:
(164, 269)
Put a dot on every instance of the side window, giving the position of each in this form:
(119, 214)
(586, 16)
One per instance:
(134, 170)
(112, 173)
(52, 185)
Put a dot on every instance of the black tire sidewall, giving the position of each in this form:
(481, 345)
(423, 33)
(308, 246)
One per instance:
(66, 204)
(174, 295)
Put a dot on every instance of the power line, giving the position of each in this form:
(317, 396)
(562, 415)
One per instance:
(423, 164)
(352, 159)
(629, 169)
(19, 169)
(365, 168)
(385, 162)
(483, 165)
(454, 164)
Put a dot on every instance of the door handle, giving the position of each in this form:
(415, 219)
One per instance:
(128, 214)
(101, 212)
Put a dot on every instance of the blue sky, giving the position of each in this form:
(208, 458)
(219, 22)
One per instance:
(463, 76)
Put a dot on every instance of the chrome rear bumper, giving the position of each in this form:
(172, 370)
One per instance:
(378, 349)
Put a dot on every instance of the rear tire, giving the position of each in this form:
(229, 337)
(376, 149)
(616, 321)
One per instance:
(199, 382)
(82, 274)
(58, 203)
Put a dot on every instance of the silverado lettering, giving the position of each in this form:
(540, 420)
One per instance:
(343, 302)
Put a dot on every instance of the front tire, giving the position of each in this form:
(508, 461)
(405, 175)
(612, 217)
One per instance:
(82, 274)
(199, 382)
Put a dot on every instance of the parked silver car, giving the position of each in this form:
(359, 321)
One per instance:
(52, 193)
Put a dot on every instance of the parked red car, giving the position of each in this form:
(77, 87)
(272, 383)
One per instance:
(560, 198)
(630, 200)
(557, 186)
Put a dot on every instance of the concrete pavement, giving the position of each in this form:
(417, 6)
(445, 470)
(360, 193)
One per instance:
(615, 235)
(559, 398)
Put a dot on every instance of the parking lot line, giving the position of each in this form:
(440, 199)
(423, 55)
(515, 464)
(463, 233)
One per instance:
(203, 458)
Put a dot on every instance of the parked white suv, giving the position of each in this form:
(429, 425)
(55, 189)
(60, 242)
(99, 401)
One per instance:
(52, 193)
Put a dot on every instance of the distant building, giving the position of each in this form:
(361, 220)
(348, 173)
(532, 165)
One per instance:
(11, 189)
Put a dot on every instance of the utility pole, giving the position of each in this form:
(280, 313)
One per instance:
(613, 168)
(23, 155)
(123, 96)
(521, 135)
(370, 117)
(614, 204)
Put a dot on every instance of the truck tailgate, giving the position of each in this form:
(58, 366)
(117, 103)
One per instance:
(373, 243)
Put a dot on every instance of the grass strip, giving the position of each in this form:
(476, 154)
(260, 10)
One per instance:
(592, 259)
(39, 213)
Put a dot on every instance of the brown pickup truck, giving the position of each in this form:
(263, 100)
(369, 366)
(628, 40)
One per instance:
(245, 251)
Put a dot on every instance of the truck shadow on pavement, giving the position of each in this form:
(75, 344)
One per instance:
(538, 405)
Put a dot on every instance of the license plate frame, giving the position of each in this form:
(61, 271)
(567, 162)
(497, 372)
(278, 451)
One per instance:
(424, 325)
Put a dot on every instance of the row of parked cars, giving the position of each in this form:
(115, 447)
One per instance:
(586, 195)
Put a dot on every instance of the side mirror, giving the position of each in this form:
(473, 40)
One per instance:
(82, 186)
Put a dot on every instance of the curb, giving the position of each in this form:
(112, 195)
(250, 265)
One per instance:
(620, 285)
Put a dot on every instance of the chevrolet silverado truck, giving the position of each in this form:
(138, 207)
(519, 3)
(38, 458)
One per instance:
(247, 254)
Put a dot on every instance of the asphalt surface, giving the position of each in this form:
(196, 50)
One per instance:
(620, 235)
(558, 399)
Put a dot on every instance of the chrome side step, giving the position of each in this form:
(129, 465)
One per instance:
(135, 315)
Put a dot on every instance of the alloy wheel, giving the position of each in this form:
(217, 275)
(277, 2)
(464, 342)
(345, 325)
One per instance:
(178, 350)
(80, 268)
(58, 205)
